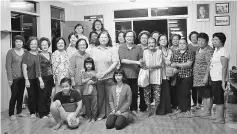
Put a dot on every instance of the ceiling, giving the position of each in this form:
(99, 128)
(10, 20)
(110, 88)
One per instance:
(89, 2)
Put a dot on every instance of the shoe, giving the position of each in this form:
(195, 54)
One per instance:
(135, 113)
(13, 117)
(21, 115)
(194, 105)
(23, 106)
(99, 119)
(219, 122)
(32, 116)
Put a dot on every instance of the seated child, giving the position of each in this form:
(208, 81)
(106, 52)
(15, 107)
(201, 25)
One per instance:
(89, 89)
(66, 105)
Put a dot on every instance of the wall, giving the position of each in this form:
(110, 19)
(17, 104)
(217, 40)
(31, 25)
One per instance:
(107, 10)
(43, 29)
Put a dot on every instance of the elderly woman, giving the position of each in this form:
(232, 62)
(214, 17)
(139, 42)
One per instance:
(183, 60)
(98, 26)
(219, 72)
(15, 76)
(72, 38)
(79, 30)
(193, 46)
(200, 69)
(131, 56)
(175, 42)
(60, 62)
(143, 38)
(77, 64)
(31, 71)
(47, 76)
(106, 59)
(165, 98)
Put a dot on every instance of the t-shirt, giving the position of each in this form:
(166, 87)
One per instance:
(73, 97)
(87, 87)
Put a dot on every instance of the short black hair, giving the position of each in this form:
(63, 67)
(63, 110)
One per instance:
(173, 35)
(166, 38)
(92, 33)
(44, 39)
(70, 35)
(155, 32)
(58, 39)
(78, 41)
(18, 37)
(78, 26)
(93, 25)
(29, 41)
(134, 34)
(193, 32)
(117, 41)
(66, 79)
(221, 36)
(89, 60)
(120, 71)
(143, 32)
(185, 39)
(203, 36)
(109, 44)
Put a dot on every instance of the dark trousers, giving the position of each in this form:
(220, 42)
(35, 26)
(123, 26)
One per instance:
(142, 105)
(103, 90)
(33, 96)
(118, 122)
(183, 88)
(90, 102)
(17, 91)
(165, 99)
(174, 99)
(134, 87)
(195, 96)
(44, 96)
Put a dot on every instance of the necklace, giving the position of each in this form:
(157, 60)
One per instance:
(164, 53)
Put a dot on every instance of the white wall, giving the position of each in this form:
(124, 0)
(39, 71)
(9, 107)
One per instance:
(43, 30)
(107, 10)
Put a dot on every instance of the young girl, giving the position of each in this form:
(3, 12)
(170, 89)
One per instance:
(120, 99)
(89, 89)
(152, 58)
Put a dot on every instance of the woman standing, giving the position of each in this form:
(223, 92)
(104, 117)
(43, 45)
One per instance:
(72, 38)
(60, 62)
(77, 62)
(165, 98)
(200, 69)
(183, 60)
(47, 76)
(31, 71)
(98, 26)
(219, 74)
(106, 60)
(193, 46)
(93, 37)
(143, 38)
(152, 58)
(175, 42)
(120, 39)
(131, 56)
(15, 77)
(120, 99)
(79, 29)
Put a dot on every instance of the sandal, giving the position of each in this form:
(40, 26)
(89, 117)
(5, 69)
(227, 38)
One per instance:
(219, 122)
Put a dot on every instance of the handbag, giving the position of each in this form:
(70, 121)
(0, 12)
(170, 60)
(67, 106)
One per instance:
(143, 78)
(170, 71)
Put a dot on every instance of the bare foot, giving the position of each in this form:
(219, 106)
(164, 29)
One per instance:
(58, 126)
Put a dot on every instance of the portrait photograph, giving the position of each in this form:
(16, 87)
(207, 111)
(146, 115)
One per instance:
(222, 8)
(202, 12)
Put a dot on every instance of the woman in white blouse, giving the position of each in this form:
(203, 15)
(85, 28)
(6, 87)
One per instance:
(219, 72)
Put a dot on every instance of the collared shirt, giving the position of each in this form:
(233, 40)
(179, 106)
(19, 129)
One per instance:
(86, 86)
(45, 65)
(216, 66)
(202, 60)
(76, 67)
(135, 54)
(74, 96)
(182, 58)
(71, 51)
(104, 57)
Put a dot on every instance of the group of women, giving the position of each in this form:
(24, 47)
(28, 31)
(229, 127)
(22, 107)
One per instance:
(199, 66)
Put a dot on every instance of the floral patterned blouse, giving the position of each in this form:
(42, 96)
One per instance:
(61, 65)
(202, 59)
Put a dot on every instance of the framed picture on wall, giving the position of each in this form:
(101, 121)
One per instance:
(222, 20)
(222, 8)
(203, 12)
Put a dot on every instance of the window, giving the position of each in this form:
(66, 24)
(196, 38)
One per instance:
(57, 20)
(21, 5)
(169, 11)
(131, 13)
(178, 26)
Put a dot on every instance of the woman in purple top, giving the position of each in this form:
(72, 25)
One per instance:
(31, 71)
(47, 76)
(15, 76)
